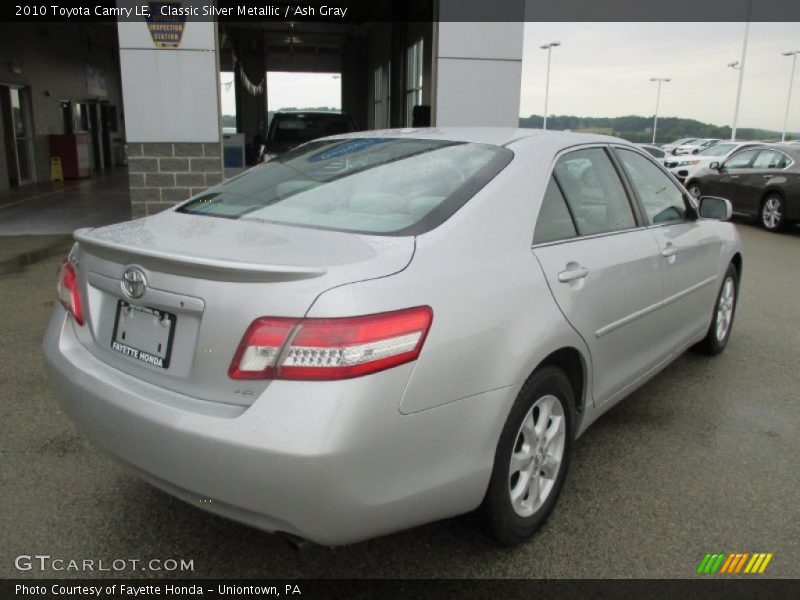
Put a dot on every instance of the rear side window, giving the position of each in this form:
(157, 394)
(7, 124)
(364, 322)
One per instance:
(554, 222)
(594, 192)
(663, 200)
(397, 186)
(770, 159)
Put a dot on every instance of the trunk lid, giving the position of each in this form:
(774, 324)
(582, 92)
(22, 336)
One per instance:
(205, 279)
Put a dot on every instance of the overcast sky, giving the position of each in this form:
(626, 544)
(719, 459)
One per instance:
(604, 69)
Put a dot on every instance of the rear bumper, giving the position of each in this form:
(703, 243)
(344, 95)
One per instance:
(333, 462)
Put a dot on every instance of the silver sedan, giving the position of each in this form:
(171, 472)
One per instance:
(383, 329)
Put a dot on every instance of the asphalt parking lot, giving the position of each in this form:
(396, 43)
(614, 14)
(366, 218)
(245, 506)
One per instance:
(704, 458)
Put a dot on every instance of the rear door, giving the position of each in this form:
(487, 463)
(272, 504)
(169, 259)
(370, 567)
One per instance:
(766, 166)
(689, 249)
(603, 268)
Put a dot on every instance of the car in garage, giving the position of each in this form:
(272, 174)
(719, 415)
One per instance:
(289, 129)
(684, 167)
(374, 331)
(761, 183)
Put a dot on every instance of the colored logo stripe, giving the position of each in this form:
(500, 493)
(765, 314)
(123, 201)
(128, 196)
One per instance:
(736, 562)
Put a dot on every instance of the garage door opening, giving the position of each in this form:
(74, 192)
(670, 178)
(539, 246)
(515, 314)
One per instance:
(318, 92)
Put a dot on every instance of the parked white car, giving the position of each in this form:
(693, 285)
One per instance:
(683, 167)
(670, 148)
(696, 146)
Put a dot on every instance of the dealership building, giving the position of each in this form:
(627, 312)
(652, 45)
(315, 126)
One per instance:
(85, 92)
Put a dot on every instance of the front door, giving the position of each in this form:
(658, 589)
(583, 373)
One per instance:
(688, 247)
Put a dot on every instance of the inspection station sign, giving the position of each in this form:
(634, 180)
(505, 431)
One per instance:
(166, 22)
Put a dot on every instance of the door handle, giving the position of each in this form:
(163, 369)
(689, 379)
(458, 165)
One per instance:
(669, 250)
(768, 176)
(573, 274)
(734, 176)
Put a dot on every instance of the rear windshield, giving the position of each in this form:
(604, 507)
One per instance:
(303, 128)
(375, 185)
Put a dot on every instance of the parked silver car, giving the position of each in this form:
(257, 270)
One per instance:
(378, 330)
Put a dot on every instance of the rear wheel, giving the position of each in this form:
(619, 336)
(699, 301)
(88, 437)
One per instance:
(773, 213)
(694, 190)
(724, 310)
(531, 458)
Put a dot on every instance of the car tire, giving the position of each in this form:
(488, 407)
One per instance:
(532, 456)
(695, 190)
(772, 214)
(719, 332)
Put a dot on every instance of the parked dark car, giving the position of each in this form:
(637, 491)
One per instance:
(290, 129)
(762, 183)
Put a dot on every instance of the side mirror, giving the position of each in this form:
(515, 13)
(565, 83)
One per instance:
(712, 207)
(716, 165)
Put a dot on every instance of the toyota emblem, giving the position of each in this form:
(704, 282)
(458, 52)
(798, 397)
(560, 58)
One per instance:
(134, 283)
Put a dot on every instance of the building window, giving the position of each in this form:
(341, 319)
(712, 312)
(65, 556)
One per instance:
(413, 78)
(377, 98)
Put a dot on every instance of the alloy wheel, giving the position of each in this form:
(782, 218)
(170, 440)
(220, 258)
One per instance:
(772, 213)
(725, 308)
(537, 455)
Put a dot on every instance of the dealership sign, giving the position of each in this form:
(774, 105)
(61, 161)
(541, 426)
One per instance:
(166, 24)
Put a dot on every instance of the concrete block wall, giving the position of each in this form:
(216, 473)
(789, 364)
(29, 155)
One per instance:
(163, 174)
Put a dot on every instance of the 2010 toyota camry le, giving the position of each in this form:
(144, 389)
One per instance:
(383, 329)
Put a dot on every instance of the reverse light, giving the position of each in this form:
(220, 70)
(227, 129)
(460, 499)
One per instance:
(327, 349)
(67, 289)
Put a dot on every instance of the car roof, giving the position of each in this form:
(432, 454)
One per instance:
(310, 113)
(496, 136)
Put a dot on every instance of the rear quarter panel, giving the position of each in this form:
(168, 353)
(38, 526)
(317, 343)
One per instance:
(494, 316)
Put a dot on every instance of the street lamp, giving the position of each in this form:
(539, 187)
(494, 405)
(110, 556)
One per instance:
(739, 66)
(660, 80)
(793, 54)
(549, 47)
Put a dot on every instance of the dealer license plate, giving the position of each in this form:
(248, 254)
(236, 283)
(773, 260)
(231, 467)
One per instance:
(143, 333)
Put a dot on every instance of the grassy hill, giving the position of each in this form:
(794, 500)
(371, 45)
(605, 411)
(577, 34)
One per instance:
(639, 129)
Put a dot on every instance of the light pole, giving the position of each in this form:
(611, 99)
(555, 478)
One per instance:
(740, 66)
(793, 54)
(549, 47)
(660, 80)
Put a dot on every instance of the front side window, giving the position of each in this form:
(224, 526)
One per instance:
(663, 201)
(594, 192)
(740, 160)
(375, 185)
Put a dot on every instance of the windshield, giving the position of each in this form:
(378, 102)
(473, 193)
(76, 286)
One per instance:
(717, 150)
(367, 185)
(297, 129)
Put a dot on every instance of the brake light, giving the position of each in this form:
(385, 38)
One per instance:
(67, 289)
(327, 349)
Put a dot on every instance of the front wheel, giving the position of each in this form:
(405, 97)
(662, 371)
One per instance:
(694, 190)
(531, 458)
(773, 213)
(719, 332)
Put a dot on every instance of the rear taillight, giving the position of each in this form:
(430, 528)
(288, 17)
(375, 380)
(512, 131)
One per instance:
(67, 289)
(326, 349)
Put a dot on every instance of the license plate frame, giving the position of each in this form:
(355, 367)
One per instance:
(154, 349)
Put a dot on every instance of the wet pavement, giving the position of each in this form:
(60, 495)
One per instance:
(61, 207)
(704, 458)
